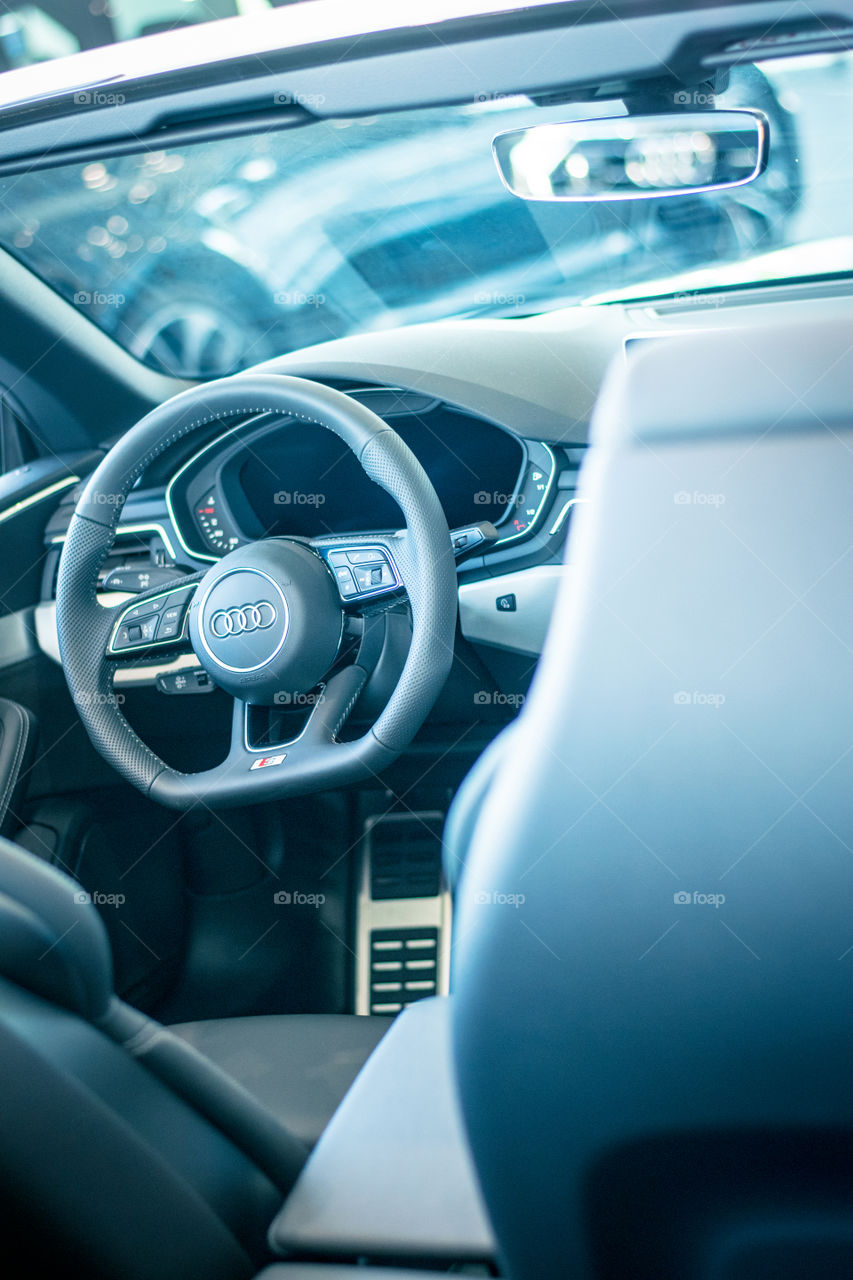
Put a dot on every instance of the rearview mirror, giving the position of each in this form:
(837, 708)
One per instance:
(633, 157)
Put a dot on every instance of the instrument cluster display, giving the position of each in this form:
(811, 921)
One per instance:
(308, 483)
(279, 477)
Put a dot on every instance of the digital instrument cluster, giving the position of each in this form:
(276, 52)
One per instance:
(278, 477)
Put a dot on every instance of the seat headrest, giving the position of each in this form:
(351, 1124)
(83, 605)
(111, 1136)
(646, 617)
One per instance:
(52, 940)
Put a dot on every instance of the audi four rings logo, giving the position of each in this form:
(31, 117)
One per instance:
(249, 617)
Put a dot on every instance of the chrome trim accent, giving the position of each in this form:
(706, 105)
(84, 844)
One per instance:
(9, 512)
(243, 620)
(558, 523)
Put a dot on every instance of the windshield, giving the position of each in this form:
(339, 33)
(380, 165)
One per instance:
(205, 259)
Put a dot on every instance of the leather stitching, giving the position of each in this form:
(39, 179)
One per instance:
(23, 738)
(348, 708)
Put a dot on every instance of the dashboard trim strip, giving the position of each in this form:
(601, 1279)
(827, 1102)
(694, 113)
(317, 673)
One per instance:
(9, 512)
(564, 511)
(143, 527)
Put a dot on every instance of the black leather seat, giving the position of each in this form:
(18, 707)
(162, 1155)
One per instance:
(298, 1066)
(652, 1022)
(18, 732)
(123, 1150)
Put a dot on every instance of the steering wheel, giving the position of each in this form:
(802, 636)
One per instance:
(267, 620)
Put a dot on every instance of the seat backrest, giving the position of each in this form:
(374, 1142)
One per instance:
(655, 925)
(122, 1151)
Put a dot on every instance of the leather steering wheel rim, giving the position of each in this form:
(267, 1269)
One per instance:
(424, 557)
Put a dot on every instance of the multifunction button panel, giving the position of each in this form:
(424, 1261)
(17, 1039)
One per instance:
(160, 620)
(362, 572)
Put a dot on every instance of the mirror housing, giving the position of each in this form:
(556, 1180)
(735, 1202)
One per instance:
(634, 157)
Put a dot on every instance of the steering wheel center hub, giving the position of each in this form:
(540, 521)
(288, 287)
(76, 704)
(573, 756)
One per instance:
(266, 621)
(244, 620)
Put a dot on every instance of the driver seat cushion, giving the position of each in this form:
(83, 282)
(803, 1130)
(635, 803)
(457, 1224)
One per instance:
(299, 1066)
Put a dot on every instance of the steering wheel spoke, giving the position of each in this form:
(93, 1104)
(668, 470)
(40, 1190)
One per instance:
(330, 706)
(153, 621)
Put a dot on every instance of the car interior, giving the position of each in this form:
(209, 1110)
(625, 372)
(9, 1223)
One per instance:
(424, 771)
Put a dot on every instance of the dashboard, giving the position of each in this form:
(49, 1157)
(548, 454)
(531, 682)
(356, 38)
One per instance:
(510, 401)
(497, 412)
(498, 415)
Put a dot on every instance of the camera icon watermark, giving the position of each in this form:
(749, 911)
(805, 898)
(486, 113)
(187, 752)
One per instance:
(693, 98)
(696, 899)
(485, 498)
(95, 898)
(493, 97)
(98, 699)
(500, 299)
(486, 898)
(85, 298)
(295, 298)
(296, 898)
(308, 100)
(682, 498)
(497, 698)
(98, 98)
(296, 498)
(698, 699)
(692, 295)
(286, 699)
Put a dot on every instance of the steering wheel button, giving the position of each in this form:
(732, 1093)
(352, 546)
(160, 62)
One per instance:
(372, 577)
(143, 610)
(337, 557)
(370, 556)
(179, 598)
(168, 630)
(346, 582)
